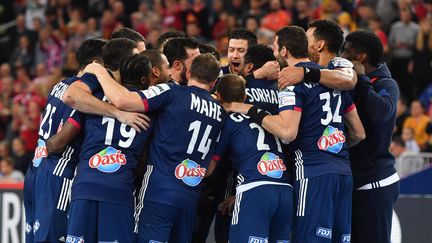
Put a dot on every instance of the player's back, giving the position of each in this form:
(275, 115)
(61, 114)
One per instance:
(320, 147)
(110, 152)
(189, 124)
(263, 94)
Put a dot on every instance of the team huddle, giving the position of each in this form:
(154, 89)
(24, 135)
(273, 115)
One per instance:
(126, 145)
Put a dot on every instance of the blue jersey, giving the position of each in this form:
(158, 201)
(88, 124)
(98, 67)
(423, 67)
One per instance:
(263, 94)
(320, 147)
(256, 154)
(56, 113)
(110, 152)
(188, 127)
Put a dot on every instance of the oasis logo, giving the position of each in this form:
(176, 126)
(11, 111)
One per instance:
(190, 172)
(324, 232)
(332, 140)
(271, 165)
(40, 153)
(108, 160)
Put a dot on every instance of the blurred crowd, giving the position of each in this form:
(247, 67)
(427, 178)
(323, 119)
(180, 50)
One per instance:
(38, 40)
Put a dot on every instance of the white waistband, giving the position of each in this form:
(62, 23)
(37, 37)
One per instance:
(248, 186)
(382, 183)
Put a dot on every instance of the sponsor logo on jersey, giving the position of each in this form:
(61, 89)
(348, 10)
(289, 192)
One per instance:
(108, 160)
(155, 90)
(190, 172)
(40, 153)
(271, 165)
(346, 238)
(74, 239)
(254, 239)
(287, 97)
(332, 140)
(324, 232)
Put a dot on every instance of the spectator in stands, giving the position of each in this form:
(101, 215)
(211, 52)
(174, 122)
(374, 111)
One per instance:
(301, 17)
(402, 40)
(7, 172)
(397, 147)
(277, 17)
(23, 54)
(418, 122)
(408, 137)
(4, 150)
(423, 57)
(401, 115)
(428, 147)
(374, 25)
(21, 157)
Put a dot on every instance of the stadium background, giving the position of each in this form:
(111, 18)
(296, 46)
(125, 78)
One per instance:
(38, 40)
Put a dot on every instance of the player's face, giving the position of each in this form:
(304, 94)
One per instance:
(141, 46)
(191, 54)
(165, 71)
(312, 45)
(237, 49)
(348, 52)
(281, 60)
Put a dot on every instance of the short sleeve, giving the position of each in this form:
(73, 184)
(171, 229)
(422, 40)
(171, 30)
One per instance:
(75, 118)
(347, 103)
(224, 140)
(291, 98)
(339, 62)
(91, 81)
(157, 97)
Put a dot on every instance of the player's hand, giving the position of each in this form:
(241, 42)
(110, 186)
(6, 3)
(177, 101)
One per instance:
(133, 119)
(268, 71)
(237, 107)
(94, 68)
(290, 76)
(226, 206)
(358, 67)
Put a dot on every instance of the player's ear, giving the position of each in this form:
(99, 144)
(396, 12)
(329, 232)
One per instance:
(155, 72)
(362, 57)
(320, 46)
(248, 67)
(177, 65)
(284, 52)
(188, 74)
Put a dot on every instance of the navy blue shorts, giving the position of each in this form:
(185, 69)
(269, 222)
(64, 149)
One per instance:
(323, 209)
(28, 202)
(263, 214)
(97, 221)
(51, 204)
(164, 223)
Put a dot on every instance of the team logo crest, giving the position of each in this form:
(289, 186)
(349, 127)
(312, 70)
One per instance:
(108, 160)
(271, 165)
(40, 153)
(190, 172)
(332, 140)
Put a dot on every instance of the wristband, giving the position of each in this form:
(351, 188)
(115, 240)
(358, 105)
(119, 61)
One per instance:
(257, 115)
(311, 75)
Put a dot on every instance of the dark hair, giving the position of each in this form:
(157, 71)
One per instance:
(398, 140)
(205, 68)
(429, 128)
(175, 49)
(155, 57)
(369, 43)
(243, 34)
(258, 55)
(231, 88)
(330, 32)
(115, 51)
(169, 35)
(128, 34)
(205, 48)
(294, 39)
(8, 161)
(89, 51)
(135, 71)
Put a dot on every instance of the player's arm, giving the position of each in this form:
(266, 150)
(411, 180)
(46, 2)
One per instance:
(211, 168)
(57, 143)
(118, 95)
(339, 79)
(79, 96)
(268, 71)
(356, 132)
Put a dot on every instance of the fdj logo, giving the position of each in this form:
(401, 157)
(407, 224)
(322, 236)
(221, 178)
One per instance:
(190, 172)
(270, 165)
(324, 232)
(40, 153)
(74, 239)
(254, 239)
(108, 160)
(332, 140)
(346, 238)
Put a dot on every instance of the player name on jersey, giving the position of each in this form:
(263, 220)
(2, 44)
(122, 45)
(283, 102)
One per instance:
(262, 95)
(59, 90)
(210, 109)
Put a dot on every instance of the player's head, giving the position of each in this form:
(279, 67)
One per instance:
(116, 50)
(205, 48)
(290, 42)
(255, 57)
(90, 50)
(135, 71)
(167, 36)
(239, 40)
(160, 66)
(323, 36)
(205, 69)
(180, 53)
(131, 35)
(231, 88)
(364, 47)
